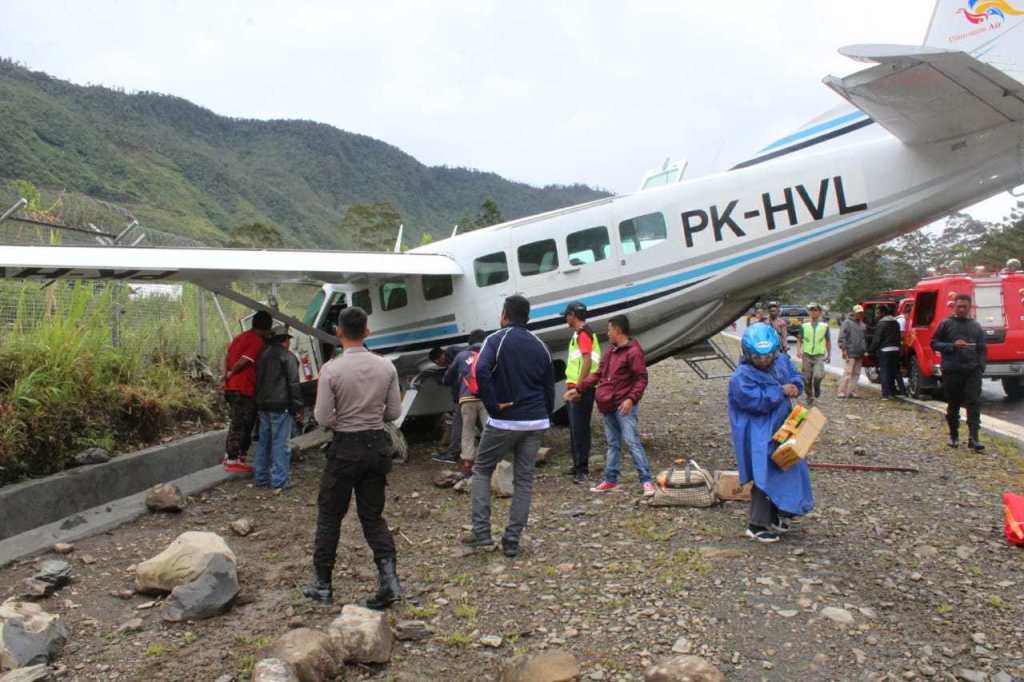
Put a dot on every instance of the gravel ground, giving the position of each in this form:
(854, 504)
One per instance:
(917, 562)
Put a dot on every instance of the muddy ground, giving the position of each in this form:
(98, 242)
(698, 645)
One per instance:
(918, 560)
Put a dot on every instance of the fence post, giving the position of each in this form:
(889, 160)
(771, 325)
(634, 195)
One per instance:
(201, 311)
(115, 318)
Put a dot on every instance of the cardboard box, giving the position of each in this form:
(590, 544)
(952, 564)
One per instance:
(727, 486)
(796, 447)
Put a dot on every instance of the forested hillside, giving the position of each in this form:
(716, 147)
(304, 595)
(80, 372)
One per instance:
(184, 169)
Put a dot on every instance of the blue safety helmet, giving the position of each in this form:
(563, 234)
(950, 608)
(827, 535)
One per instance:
(760, 339)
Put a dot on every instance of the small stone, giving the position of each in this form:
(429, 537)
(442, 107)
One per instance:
(502, 483)
(88, 559)
(37, 589)
(123, 594)
(413, 630)
(146, 605)
(860, 656)
(837, 615)
(92, 456)
(273, 670)
(565, 568)
(362, 635)
(916, 577)
(463, 485)
(492, 641)
(57, 572)
(552, 666)
(133, 625)
(927, 670)
(242, 527)
(860, 451)
(682, 646)
(165, 497)
(63, 548)
(971, 675)
(979, 638)
(447, 479)
(1002, 677)
(787, 613)
(683, 669)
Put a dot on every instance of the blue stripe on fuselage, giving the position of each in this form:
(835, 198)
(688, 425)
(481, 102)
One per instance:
(813, 130)
(417, 335)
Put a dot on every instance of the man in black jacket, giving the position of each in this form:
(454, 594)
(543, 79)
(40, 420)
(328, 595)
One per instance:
(278, 401)
(961, 341)
(885, 346)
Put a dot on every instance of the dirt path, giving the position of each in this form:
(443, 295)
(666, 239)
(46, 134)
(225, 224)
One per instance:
(917, 560)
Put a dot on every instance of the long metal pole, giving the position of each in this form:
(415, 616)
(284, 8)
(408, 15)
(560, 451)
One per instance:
(861, 467)
(18, 204)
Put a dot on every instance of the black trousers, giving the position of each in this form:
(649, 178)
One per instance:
(763, 512)
(580, 413)
(889, 373)
(242, 413)
(962, 389)
(357, 462)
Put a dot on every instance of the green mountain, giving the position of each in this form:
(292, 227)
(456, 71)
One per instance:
(183, 169)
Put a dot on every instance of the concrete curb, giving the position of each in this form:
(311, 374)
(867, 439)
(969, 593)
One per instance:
(38, 502)
(999, 427)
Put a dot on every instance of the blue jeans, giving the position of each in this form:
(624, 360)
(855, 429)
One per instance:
(617, 429)
(273, 456)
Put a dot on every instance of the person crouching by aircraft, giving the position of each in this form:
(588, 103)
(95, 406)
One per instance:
(461, 376)
(620, 383)
(583, 359)
(759, 402)
(356, 394)
(239, 387)
(516, 383)
(443, 358)
(278, 402)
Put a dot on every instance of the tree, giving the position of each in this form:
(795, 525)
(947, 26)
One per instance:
(863, 276)
(488, 215)
(909, 257)
(256, 236)
(370, 227)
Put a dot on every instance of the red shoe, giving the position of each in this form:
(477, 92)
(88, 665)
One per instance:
(603, 487)
(236, 466)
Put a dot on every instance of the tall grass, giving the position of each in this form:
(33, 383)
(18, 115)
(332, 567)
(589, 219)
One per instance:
(64, 387)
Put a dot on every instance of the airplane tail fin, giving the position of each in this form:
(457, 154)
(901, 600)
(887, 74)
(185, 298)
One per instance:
(991, 31)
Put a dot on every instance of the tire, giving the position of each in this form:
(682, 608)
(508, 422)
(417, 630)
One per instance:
(1013, 387)
(872, 374)
(400, 452)
(914, 380)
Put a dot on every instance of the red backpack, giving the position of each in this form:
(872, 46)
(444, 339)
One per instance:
(470, 381)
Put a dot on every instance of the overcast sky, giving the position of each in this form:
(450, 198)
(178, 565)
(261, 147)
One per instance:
(593, 92)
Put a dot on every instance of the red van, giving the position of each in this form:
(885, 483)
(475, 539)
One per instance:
(998, 300)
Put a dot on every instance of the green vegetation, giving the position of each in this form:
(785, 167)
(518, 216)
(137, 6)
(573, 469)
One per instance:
(155, 650)
(185, 170)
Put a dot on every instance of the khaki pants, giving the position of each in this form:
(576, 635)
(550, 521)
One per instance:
(851, 375)
(473, 412)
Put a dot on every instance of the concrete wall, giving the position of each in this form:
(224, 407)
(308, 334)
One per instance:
(34, 503)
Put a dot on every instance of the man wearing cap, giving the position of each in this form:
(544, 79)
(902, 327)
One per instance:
(853, 344)
(814, 349)
(278, 401)
(780, 325)
(583, 359)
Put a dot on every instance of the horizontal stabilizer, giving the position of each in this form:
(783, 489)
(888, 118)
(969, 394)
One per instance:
(213, 266)
(925, 94)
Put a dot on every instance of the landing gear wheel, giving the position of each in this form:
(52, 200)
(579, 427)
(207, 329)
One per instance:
(914, 380)
(400, 448)
(1013, 387)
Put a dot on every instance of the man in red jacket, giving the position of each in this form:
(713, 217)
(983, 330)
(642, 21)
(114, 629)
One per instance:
(620, 383)
(239, 389)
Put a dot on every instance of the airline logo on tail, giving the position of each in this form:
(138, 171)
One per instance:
(992, 11)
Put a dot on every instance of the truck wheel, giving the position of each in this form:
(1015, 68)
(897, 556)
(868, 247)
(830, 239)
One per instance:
(400, 448)
(1014, 388)
(914, 380)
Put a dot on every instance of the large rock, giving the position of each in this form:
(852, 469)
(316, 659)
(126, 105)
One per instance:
(683, 669)
(33, 673)
(242, 527)
(183, 561)
(92, 456)
(57, 572)
(165, 497)
(362, 635)
(502, 482)
(28, 635)
(553, 666)
(206, 596)
(309, 652)
(273, 670)
(447, 479)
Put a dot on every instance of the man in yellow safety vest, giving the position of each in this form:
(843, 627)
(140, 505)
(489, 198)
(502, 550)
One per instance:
(814, 348)
(583, 359)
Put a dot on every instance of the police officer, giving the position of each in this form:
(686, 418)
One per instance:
(357, 392)
(961, 341)
(583, 359)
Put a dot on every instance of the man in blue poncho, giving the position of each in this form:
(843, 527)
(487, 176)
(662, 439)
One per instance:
(759, 394)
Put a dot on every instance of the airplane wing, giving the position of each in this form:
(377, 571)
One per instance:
(924, 94)
(213, 268)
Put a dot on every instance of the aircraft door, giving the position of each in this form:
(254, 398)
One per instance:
(590, 257)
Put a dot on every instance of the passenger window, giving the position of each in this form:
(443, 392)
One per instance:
(642, 233)
(538, 257)
(361, 299)
(393, 295)
(492, 269)
(588, 246)
(436, 286)
(924, 308)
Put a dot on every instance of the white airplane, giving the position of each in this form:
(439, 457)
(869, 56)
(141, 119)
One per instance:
(924, 132)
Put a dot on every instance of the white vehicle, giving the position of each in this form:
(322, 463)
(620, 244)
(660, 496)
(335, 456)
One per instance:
(924, 132)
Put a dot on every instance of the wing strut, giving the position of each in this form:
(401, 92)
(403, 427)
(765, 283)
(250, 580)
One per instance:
(293, 322)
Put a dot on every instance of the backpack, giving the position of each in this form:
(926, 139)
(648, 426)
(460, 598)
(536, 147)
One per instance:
(470, 379)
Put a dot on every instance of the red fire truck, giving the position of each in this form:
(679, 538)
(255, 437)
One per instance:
(998, 299)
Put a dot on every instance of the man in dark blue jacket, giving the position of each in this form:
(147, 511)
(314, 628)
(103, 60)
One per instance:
(961, 340)
(516, 384)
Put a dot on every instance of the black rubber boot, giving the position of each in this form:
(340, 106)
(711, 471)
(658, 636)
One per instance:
(320, 590)
(973, 443)
(388, 588)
